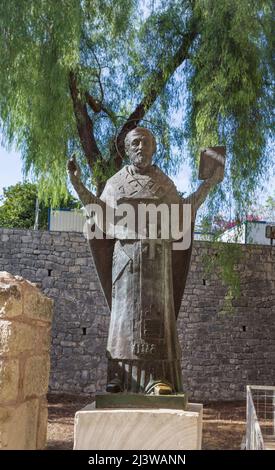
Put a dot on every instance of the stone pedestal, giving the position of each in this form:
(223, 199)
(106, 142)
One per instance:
(138, 429)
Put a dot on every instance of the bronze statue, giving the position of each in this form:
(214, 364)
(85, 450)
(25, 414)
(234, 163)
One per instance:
(143, 280)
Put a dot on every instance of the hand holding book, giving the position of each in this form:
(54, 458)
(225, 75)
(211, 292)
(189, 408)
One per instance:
(212, 163)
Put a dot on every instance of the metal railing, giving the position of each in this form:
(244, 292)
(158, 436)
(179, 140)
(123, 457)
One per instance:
(260, 417)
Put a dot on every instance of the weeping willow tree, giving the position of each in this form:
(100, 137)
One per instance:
(77, 75)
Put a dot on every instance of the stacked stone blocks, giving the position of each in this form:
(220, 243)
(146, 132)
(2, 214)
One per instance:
(25, 337)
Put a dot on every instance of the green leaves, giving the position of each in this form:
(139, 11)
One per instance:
(17, 209)
(230, 101)
(40, 41)
(202, 71)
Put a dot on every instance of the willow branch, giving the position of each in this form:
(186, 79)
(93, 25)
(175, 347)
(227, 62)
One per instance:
(157, 84)
(84, 124)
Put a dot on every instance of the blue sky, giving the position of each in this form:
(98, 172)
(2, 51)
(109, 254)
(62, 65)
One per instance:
(10, 168)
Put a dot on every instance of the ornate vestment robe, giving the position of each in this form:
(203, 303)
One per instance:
(140, 280)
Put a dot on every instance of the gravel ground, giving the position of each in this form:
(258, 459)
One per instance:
(223, 423)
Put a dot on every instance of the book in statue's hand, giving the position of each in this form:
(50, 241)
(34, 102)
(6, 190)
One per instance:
(211, 158)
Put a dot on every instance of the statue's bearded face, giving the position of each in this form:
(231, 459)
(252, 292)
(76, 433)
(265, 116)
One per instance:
(140, 146)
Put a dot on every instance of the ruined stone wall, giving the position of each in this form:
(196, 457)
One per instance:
(221, 352)
(25, 322)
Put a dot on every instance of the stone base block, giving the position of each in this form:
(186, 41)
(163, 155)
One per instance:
(18, 426)
(138, 429)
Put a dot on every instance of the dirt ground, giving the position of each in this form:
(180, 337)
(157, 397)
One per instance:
(223, 423)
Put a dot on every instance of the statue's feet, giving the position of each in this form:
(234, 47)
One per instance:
(158, 387)
(114, 386)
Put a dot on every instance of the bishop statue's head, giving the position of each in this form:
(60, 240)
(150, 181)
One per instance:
(140, 146)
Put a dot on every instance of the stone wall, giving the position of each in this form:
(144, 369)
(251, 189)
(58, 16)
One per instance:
(224, 351)
(25, 322)
(221, 352)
